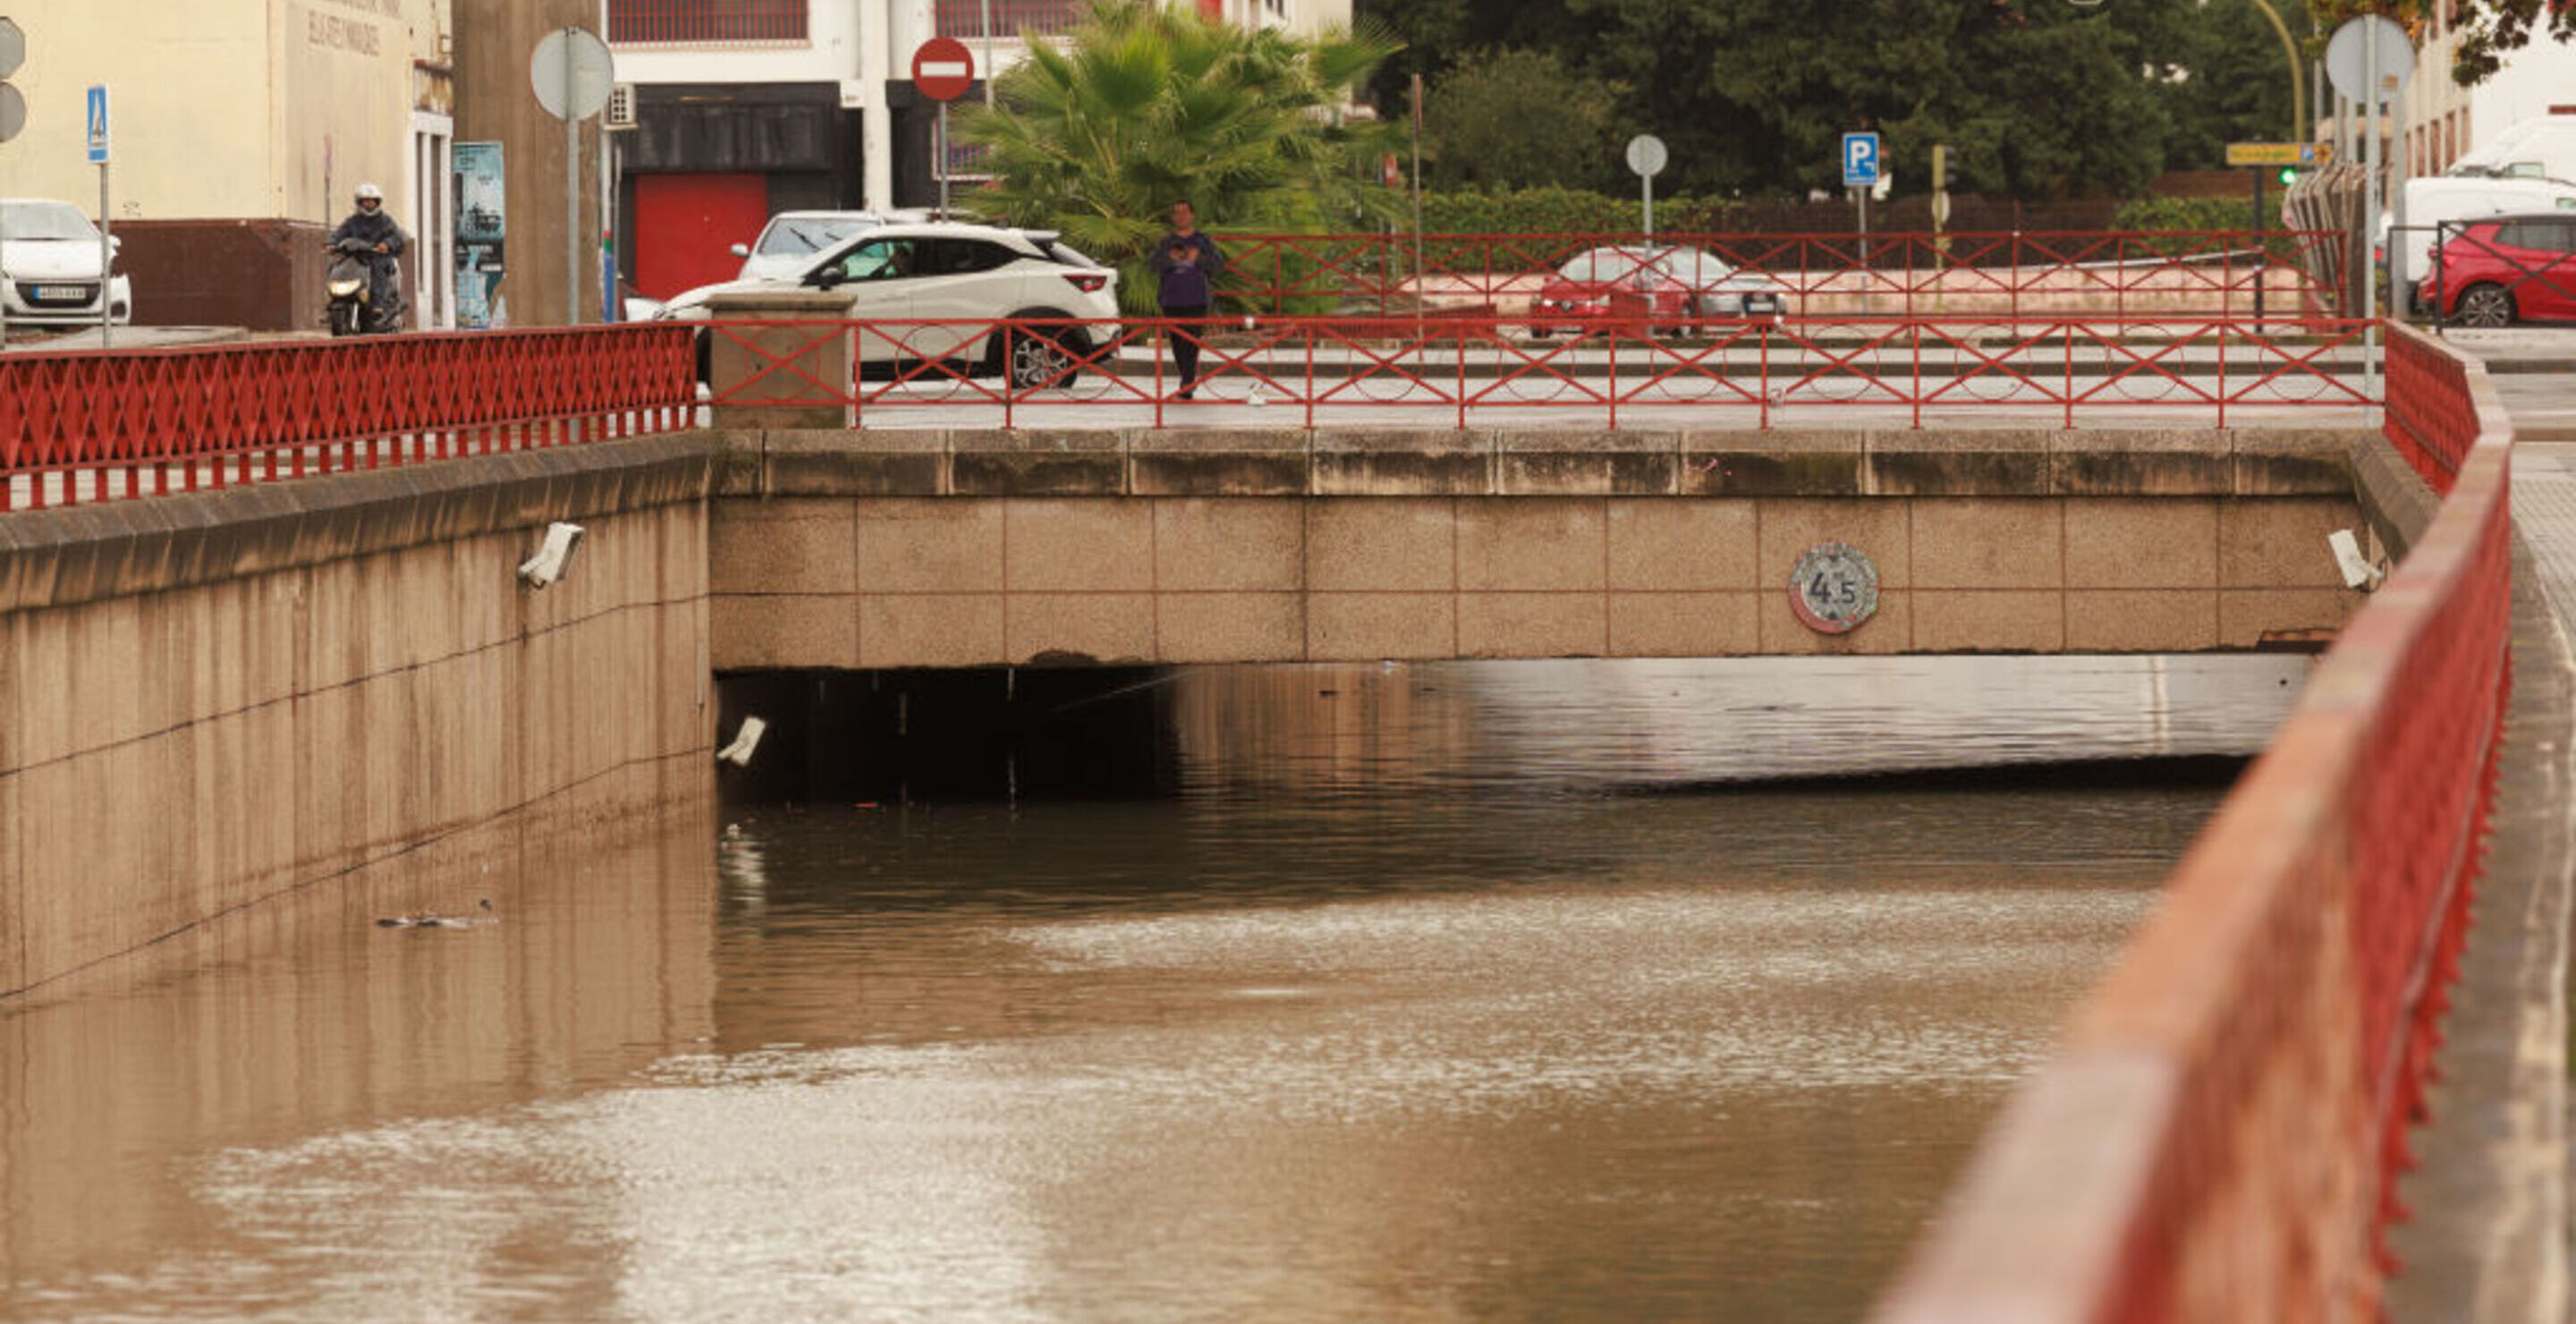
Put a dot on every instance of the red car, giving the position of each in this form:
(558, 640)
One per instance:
(1671, 289)
(2505, 269)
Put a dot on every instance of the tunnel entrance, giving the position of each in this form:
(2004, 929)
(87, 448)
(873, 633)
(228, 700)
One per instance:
(984, 733)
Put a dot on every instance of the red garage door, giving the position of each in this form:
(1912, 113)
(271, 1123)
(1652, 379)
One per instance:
(686, 227)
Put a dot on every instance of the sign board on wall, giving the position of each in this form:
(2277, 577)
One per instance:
(481, 224)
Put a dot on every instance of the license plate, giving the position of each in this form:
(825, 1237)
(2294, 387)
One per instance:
(63, 293)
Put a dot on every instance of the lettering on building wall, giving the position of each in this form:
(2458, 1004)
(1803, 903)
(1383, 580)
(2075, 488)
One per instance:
(358, 35)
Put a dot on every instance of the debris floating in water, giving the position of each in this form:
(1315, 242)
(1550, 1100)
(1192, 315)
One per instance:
(431, 919)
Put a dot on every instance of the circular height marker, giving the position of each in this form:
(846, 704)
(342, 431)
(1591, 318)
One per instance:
(1834, 588)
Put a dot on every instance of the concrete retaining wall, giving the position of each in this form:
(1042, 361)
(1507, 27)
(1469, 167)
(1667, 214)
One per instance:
(207, 702)
(881, 549)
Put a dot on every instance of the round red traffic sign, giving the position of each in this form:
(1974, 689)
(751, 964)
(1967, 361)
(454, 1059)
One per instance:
(943, 68)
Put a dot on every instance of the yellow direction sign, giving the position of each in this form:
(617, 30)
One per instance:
(2279, 154)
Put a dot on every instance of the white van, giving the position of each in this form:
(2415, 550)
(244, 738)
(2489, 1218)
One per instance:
(2432, 201)
(2541, 147)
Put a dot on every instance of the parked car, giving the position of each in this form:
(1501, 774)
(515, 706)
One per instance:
(791, 239)
(1673, 289)
(49, 265)
(2506, 269)
(904, 275)
(2453, 199)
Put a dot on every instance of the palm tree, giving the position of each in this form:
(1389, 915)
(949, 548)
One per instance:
(1148, 104)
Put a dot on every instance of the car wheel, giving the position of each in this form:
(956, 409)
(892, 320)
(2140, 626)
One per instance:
(1039, 358)
(2486, 305)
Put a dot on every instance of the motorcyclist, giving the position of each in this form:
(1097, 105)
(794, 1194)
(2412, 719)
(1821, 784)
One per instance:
(383, 243)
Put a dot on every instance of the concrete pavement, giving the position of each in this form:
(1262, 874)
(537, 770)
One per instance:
(2489, 1238)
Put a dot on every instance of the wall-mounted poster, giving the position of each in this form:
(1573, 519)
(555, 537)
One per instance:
(481, 221)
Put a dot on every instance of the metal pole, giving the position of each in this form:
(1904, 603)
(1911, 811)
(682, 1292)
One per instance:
(1649, 182)
(2401, 277)
(1417, 205)
(106, 282)
(4, 269)
(572, 191)
(2369, 212)
(987, 70)
(2262, 258)
(942, 156)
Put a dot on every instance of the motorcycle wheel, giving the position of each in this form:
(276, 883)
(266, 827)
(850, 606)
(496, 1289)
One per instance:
(344, 319)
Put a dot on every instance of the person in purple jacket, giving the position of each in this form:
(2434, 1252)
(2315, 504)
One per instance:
(1187, 264)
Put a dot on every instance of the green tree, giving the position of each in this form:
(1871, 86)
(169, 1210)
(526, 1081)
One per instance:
(1147, 104)
(2489, 30)
(2035, 98)
(1505, 119)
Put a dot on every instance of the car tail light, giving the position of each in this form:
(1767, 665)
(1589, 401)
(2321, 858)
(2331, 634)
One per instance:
(1089, 282)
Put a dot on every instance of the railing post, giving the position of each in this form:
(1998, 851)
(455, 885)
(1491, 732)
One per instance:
(765, 370)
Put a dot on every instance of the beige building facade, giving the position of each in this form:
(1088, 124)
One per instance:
(228, 115)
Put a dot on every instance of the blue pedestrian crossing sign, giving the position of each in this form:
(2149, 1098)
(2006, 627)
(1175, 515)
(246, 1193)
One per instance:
(98, 124)
(1860, 160)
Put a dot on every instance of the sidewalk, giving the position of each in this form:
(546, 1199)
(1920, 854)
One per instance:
(2488, 1240)
(123, 337)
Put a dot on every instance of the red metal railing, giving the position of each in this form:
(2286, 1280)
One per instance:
(2220, 1134)
(131, 423)
(2119, 274)
(1909, 371)
(695, 22)
(966, 19)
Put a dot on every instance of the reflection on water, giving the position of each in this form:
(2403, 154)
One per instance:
(1407, 1009)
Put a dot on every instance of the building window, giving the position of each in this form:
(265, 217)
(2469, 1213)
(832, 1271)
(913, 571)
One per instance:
(642, 22)
(1044, 18)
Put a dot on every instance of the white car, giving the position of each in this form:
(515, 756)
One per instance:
(791, 239)
(905, 275)
(49, 265)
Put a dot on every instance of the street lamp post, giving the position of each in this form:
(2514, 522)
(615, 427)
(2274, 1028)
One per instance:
(2298, 80)
(2289, 47)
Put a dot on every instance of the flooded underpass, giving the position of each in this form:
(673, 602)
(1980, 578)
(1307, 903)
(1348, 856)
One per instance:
(1519, 991)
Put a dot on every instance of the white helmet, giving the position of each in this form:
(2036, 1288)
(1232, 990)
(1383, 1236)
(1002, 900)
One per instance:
(366, 191)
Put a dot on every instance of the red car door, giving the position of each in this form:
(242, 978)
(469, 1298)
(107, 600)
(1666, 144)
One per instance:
(2546, 250)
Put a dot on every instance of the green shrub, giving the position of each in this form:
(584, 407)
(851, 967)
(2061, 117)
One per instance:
(2188, 214)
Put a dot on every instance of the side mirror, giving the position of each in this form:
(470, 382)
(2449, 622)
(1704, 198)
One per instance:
(829, 278)
(741, 250)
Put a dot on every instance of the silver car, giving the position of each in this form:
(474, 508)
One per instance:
(792, 238)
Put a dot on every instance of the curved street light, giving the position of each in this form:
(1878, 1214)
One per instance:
(2289, 47)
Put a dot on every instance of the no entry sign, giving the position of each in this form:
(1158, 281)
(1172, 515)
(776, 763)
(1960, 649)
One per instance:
(943, 68)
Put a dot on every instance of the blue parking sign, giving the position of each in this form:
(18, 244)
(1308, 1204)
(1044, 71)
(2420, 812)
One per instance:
(1860, 159)
(97, 119)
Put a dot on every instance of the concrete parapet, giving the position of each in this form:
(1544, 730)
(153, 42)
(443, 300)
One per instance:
(1452, 462)
(779, 362)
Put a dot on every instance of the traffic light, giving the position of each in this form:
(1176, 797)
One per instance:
(2289, 175)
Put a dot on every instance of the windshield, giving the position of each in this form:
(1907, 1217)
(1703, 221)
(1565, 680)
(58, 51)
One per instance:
(1602, 264)
(46, 220)
(1693, 267)
(795, 236)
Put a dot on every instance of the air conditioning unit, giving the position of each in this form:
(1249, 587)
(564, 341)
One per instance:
(621, 107)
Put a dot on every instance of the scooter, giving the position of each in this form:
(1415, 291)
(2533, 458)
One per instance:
(351, 311)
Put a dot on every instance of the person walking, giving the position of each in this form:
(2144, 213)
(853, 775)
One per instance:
(1187, 264)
